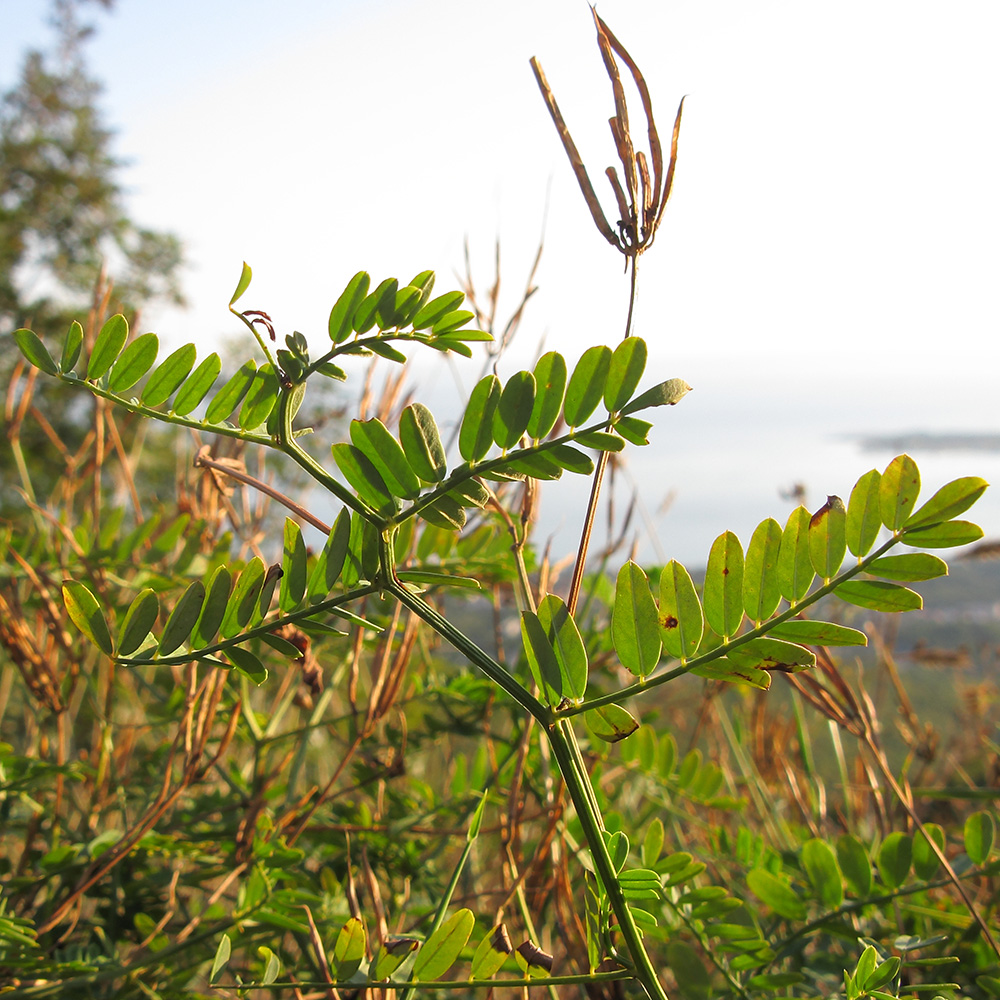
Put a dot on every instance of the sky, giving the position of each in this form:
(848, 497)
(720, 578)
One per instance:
(832, 238)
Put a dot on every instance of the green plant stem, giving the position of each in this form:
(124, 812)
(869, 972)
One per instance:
(561, 739)
(595, 488)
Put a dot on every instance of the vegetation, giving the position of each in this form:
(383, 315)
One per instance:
(398, 759)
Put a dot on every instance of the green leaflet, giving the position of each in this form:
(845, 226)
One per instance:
(470, 493)
(85, 613)
(776, 894)
(341, 315)
(586, 385)
(476, 435)
(795, 572)
(229, 396)
(761, 593)
(491, 954)
(723, 589)
(550, 387)
(667, 393)
(979, 833)
(567, 644)
(197, 387)
(364, 477)
(537, 466)
(348, 949)
(723, 669)
(436, 309)
(542, 660)
(824, 873)
(243, 601)
(864, 519)
(600, 440)
(327, 568)
(443, 947)
(634, 624)
(768, 653)
(393, 953)
(221, 960)
(634, 430)
(894, 857)
(418, 434)
(951, 500)
(514, 409)
(532, 961)
(214, 608)
(898, 491)
(368, 311)
(571, 459)
(925, 861)
(271, 578)
(387, 351)
(293, 567)
(942, 536)
(681, 620)
(260, 398)
(134, 362)
(183, 618)
(243, 284)
(853, 860)
(72, 343)
(879, 596)
(817, 633)
(445, 512)
(827, 538)
(372, 438)
(107, 347)
(652, 843)
(385, 311)
(247, 663)
(610, 723)
(627, 365)
(139, 619)
(910, 566)
(361, 560)
(408, 301)
(451, 321)
(165, 381)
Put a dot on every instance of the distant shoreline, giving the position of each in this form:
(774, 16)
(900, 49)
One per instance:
(927, 441)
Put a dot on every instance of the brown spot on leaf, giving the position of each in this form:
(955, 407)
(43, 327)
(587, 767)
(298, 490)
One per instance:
(669, 622)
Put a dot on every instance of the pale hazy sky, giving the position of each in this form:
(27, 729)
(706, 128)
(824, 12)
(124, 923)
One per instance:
(835, 214)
